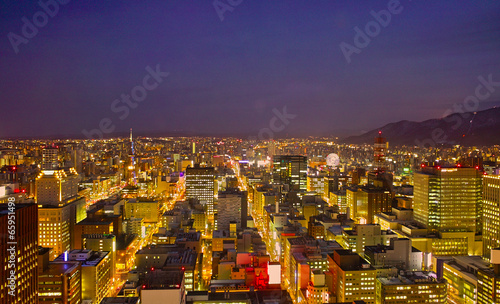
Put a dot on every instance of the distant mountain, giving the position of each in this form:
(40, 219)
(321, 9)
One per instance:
(481, 128)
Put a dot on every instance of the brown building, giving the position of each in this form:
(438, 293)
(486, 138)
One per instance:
(89, 226)
(19, 249)
(367, 201)
(60, 283)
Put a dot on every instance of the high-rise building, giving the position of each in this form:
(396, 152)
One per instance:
(102, 242)
(60, 283)
(379, 150)
(488, 280)
(200, 184)
(291, 170)
(50, 158)
(352, 278)
(19, 248)
(491, 213)
(461, 275)
(56, 186)
(448, 199)
(96, 272)
(364, 202)
(56, 224)
(59, 208)
(231, 207)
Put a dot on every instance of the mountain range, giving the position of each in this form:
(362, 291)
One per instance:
(480, 128)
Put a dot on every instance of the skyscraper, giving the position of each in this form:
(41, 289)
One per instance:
(19, 247)
(491, 213)
(448, 199)
(231, 207)
(200, 184)
(290, 169)
(379, 149)
(50, 160)
(60, 208)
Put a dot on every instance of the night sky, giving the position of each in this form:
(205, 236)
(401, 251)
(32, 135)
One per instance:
(226, 77)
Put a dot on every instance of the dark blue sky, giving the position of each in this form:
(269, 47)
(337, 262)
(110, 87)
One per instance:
(227, 76)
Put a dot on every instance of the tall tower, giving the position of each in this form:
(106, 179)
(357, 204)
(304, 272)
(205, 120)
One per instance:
(379, 149)
(131, 167)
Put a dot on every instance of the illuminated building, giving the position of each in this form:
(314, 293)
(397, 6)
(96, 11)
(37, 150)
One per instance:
(200, 184)
(147, 210)
(330, 184)
(222, 239)
(488, 280)
(59, 208)
(25, 254)
(54, 229)
(395, 219)
(365, 235)
(56, 186)
(231, 206)
(96, 272)
(352, 278)
(160, 286)
(379, 151)
(491, 213)
(411, 287)
(441, 243)
(126, 247)
(291, 170)
(317, 291)
(461, 273)
(364, 202)
(169, 258)
(400, 253)
(50, 160)
(89, 227)
(60, 283)
(135, 226)
(100, 243)
(299, 276)
(292, 245)
(200, 220)
(262, 196)
(339, 198)
(448, 199)
(316, 183)
(56, 224)
(315, 229)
